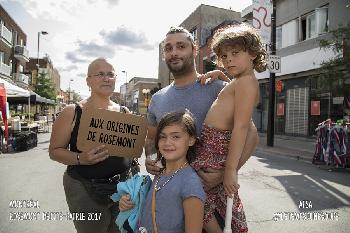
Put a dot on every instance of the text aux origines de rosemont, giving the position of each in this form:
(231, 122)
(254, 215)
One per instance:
(118, 127)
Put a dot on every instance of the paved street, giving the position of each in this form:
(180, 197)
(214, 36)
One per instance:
(272, 184)
(269, 184)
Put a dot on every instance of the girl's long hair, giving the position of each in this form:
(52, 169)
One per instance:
(186, 120)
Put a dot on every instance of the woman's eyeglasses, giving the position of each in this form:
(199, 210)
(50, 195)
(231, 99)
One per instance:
(101, 75)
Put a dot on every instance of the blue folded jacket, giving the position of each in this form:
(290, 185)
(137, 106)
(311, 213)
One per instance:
(137, 187)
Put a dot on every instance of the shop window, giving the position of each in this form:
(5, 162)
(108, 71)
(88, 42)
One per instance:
(314, 23)
(14, 37)
(308, 24)
(278, 37)
(297, 111)
(311, 26)
(194, 33)
(2, 57)
(322, 21)
(289, 33)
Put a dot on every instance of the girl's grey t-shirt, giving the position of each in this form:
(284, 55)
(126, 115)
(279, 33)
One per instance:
(169, 202)
(195, 97)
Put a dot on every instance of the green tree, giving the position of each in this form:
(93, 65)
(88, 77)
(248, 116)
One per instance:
(335, 71)
(45, 87)
(73, 96)
(76, 97)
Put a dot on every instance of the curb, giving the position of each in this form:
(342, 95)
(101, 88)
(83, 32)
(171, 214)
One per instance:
(297, 154)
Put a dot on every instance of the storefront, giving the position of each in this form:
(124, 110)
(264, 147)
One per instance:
(302, 101)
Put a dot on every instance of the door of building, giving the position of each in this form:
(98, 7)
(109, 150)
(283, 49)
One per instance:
(297, 111)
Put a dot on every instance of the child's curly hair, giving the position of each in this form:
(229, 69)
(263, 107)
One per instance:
(244, 36)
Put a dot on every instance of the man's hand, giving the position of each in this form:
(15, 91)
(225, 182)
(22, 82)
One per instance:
(211, 178)
(151, 167)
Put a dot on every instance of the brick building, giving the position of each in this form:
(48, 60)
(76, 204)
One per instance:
(13, 51)
(45, 66)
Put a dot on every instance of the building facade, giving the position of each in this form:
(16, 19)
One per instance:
(45, 67)
(305, 97)
(138, 93)
(13, 51)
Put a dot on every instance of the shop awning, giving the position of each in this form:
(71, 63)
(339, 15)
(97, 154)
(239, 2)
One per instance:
(34, 99)
(13, 90)
(18, 95)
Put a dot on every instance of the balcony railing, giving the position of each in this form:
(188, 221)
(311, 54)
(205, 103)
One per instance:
(5, 69)
(21, 78)
(22, 53)
(6, 34)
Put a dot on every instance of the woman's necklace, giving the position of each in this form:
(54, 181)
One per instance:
(156, 188)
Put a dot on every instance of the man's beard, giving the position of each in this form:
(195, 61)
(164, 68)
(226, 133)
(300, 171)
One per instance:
(186, 67)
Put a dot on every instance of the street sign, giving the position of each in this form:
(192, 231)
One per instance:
(122, 134)
(274, 64)
(262, 10)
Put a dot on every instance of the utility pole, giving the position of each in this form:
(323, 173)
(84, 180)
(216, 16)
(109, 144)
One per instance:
(272, 85)
(39, 33)
(126, 85)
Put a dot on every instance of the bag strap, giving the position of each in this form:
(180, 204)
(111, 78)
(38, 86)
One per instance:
(74, 133)
(155, 227)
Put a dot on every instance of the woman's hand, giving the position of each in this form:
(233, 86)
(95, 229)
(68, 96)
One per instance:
(94, 156)
(125, 203)
(230, 182)
(210, 76)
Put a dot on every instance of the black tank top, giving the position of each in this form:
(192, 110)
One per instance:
(107, 168)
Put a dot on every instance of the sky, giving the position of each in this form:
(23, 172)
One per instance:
(127, 32)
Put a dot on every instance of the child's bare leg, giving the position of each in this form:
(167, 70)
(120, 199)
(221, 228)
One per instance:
(251, 142)
(212, 226)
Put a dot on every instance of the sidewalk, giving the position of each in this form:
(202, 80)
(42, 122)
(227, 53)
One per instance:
(298, 147)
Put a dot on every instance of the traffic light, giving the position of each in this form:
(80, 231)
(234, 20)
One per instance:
(279, 86)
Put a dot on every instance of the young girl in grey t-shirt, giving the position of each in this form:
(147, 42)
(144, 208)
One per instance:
(176, 200)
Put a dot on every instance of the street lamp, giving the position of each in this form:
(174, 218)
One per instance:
(146, 93)
(59, 99)
(69, 96)
(39, 33)
(126, 85)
